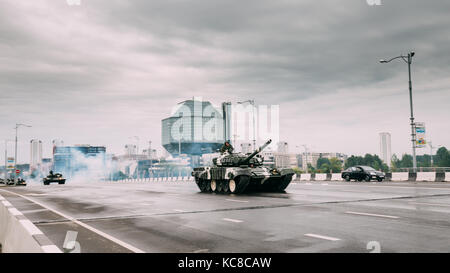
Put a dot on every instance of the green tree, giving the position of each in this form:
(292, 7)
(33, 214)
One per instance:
(321, 161)
(335, 164)
(395, 162)
(297, 170)
(406, 161)
(442, 158)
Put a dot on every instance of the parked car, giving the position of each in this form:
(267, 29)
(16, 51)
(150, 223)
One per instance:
(361, 173)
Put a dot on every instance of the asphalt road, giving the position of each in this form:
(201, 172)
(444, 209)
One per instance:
(176, 217)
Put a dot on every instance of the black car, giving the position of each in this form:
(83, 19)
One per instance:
(361, 173)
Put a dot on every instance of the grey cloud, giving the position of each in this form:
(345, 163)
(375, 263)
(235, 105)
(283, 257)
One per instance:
(121, 65)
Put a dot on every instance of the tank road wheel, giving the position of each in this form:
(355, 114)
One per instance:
(232, 186)
(238, 184)
(213, 185)
(225, 186)
(219, 186)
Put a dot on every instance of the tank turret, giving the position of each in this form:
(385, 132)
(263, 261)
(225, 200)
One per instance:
(239, 159)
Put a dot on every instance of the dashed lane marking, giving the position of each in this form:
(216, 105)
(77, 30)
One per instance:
(371, 214)
(322, 237)
(234, 200)
(232, 220)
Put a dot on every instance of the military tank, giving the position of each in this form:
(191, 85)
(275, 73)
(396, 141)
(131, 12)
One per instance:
(238, 173)
(54, 178)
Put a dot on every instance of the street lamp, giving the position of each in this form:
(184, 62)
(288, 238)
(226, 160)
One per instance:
(15, 151)
(431, 152)
(6, 157)
(408, 60)
(252, 103)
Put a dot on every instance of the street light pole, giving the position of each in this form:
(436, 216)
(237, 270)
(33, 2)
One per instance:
(431, 152)
(408, 60)
(15, 151)
(6, 158)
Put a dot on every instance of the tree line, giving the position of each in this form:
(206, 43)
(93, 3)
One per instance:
(440, 159)
(334, 165)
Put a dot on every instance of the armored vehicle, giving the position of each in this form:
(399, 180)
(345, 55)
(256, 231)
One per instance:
(54, 178)
(237, 173)
(10, 182)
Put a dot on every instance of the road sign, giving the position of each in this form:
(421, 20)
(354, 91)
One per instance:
(420, 134)
(17, 171)
(10, 164)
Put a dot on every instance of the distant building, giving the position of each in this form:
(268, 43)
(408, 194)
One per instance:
(385, 148)
(72, 159)
(246, 148)
(283, 147)
(312, 158)
(284, 160)
(130, 149)
(195, 128)
(35, 155)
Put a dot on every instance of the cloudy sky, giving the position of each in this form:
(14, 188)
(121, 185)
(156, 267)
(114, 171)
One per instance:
(107, 70)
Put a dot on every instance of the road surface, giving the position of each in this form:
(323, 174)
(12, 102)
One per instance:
(176, 217)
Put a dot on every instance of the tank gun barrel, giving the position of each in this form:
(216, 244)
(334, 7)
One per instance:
(257, 151)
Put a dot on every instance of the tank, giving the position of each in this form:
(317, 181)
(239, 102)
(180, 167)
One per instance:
(238, 173)
(54, 178)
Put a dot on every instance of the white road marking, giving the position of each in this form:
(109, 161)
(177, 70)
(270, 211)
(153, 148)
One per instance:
(232, 220)
(234, 200)
(101, 233)
(6, 204)
(431, 204)
(36, 194)
(371, 214)
(322, 237)
(1, 198)
(308, 184)
(205, 250)
(179, 210)
(14, 211)
(324, 184)
(51, 249)
(30, 227)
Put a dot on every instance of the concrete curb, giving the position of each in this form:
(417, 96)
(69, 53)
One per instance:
(20, 235)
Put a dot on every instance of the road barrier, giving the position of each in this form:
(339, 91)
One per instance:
(320, 177)
(396, 176)
(400, 177)
(336, 177)
(426, 176)
(447, 177)
(20, 235)
(305, 176)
